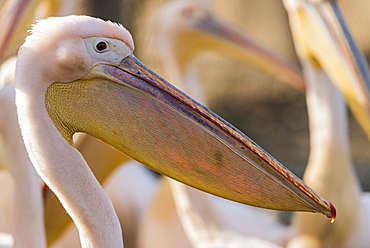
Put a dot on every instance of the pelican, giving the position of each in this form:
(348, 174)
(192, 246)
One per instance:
(183, 29)
(78, 74)
(331, 64)
(327, 13)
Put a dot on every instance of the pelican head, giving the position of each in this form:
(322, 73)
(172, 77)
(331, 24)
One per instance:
(323, 41)
(79, 74)
(185, 27)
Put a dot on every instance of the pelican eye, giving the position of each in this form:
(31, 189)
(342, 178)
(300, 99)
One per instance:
(101, 46)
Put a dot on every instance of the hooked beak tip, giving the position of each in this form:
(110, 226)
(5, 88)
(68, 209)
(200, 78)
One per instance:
(333, 213)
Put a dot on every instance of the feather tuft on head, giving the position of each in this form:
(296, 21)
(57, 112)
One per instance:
(58, 27)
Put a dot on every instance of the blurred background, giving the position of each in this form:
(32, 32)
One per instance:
(270, 112)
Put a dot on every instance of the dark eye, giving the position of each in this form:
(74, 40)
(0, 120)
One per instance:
(101, 46)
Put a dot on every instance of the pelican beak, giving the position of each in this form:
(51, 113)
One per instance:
(210, 32)
(132, 109)
(323, 39)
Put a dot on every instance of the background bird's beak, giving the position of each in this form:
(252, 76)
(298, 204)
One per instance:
(137, 112)
(211, 33)
(15, 19)
(323, 39)
(14, 16)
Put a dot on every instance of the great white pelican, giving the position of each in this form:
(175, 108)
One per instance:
(89, 81)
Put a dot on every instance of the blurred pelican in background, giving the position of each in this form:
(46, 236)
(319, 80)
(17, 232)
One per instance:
(331, 64)
(27, 222)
